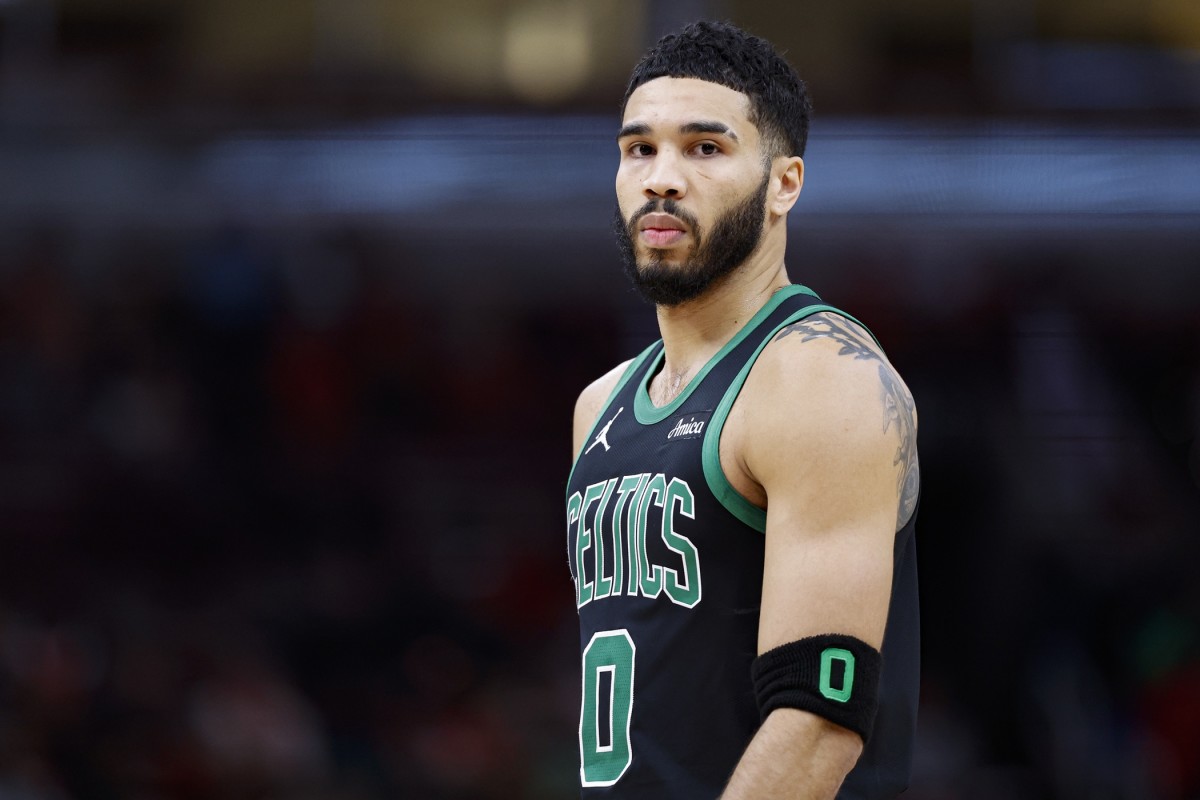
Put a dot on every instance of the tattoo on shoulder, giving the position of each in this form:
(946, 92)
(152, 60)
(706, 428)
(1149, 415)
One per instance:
(851, 338)
(899, 410)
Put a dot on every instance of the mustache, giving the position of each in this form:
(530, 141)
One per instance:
(666, 206)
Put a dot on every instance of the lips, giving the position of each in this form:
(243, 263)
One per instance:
(661, 230)
(662, 222)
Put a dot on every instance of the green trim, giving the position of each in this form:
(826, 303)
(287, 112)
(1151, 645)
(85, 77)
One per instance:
(735, 503)
(649, 414)
(625, 376)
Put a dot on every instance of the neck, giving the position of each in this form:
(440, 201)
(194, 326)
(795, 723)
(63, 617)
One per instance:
(695, 331)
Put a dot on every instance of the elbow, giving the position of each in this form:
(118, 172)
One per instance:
(833, 749)
(842, 746)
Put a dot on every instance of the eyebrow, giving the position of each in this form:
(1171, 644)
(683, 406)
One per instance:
(705, 126)
(633, 129)
(702, 126)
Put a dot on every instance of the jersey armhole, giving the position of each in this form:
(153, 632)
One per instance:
(729, 497)
(629, 372)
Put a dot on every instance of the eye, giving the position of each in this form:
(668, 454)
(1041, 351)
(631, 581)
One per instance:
(706, 149)
(640, 150)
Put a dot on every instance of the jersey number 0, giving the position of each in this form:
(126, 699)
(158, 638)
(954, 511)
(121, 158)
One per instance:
(607, 708)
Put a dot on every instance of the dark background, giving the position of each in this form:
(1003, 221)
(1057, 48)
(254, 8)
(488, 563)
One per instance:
(296, 297)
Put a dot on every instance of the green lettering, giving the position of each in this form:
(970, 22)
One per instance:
(574, 506)
(603, 582)
(633, 534)
(687, 593)
(627, 489)
(583, 587)
(650, 574)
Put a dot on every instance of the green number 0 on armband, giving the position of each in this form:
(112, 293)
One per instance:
(828, 656)
(606, 708)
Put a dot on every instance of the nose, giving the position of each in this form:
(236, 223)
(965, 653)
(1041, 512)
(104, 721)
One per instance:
(665, 179)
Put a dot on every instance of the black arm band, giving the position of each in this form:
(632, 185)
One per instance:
(831, 675)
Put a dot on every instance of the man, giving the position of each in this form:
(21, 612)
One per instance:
(741, 508)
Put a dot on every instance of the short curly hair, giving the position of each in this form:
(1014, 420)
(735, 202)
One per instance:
(725, 54)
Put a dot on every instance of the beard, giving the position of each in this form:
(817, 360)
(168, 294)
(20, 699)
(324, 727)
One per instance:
(713, 257)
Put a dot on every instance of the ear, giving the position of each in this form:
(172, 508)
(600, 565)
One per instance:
(786, 181)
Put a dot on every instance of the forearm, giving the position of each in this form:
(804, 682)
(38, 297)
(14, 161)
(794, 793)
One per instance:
(794, 755)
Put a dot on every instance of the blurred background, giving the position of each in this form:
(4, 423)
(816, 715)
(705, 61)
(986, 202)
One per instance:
(296, 297)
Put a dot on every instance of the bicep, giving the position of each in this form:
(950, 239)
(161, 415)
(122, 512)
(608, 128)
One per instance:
(826, 463)
(836, 580)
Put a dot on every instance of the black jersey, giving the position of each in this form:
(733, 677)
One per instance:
(667, 561)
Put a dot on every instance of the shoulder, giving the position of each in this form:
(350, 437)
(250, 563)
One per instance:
(827, 364)
(592, 399)
(822, 387)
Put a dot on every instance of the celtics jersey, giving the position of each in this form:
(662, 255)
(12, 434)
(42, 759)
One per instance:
(667, 560)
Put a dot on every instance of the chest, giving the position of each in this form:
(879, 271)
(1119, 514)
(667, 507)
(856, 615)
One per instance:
(642, 521)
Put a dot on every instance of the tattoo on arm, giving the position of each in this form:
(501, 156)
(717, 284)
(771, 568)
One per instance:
(899, 410)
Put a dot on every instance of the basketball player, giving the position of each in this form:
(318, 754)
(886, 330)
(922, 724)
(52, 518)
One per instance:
(741, 508)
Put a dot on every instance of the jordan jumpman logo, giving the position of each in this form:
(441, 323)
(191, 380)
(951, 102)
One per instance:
(602, 437)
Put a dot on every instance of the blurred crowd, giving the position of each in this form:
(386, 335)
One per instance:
(269, 528)
(265, 537)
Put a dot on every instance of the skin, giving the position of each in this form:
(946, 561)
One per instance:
(821, 388)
